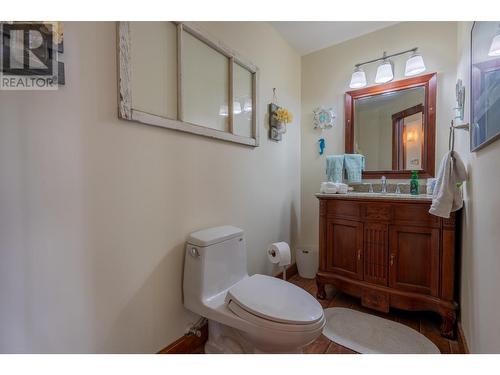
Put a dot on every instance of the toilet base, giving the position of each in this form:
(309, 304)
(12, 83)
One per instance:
(223, 339)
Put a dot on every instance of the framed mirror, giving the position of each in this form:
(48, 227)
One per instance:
(175, 75)
(393, 126)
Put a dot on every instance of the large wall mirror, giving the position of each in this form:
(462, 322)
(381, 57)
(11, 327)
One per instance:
(393, 126)
(174, 75)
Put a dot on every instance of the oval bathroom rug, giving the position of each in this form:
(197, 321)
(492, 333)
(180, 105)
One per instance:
(369, 334)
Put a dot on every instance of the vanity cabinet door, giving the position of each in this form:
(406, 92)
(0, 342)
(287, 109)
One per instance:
(344, 245)
(414, 259)
(376, 249)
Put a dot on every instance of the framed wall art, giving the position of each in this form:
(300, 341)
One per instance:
(485, 84)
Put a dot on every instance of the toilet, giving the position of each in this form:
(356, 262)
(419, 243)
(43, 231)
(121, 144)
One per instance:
(246, 314)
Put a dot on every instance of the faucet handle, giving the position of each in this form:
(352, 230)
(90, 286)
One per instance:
(370, 186)
(398, 190)
(383, 183)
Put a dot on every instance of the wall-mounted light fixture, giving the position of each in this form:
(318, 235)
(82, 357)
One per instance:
(412, 136)
(385, 71)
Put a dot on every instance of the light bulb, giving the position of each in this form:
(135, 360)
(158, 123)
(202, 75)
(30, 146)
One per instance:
(223, 111)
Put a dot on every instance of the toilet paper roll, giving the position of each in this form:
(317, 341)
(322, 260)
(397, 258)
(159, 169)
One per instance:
(279, 252)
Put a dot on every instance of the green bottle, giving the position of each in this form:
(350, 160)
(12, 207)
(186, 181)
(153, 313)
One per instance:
(414, 183)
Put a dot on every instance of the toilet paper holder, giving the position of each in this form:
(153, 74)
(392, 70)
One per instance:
(273, 254)
(279, 254)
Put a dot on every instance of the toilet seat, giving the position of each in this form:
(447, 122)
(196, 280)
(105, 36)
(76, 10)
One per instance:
(270, 302)
(269, 324)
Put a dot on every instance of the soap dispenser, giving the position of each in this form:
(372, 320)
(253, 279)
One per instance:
(414, 183)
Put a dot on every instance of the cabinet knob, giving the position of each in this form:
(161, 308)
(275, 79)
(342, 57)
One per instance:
(359, 254)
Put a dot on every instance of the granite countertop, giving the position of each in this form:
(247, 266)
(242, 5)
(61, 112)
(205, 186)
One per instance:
(379, 196)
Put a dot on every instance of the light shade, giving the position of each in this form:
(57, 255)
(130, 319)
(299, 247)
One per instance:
(236, 108)
(384, 72)
(358, 79)
(414, 65)
(247, 107)
(495, 46)
(223, 111)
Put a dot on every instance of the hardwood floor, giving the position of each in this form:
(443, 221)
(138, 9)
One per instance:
(425, 322)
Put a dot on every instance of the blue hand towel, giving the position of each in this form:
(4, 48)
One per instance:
(354, 164)
(335, 168)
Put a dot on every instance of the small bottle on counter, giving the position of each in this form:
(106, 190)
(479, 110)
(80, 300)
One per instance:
(414, 183)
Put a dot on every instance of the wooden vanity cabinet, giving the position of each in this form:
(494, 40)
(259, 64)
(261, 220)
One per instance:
(389, 253)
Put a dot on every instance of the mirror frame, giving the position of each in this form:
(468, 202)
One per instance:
(429, 82)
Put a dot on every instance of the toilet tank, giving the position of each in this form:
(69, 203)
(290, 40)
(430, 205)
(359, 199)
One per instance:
(215, 259)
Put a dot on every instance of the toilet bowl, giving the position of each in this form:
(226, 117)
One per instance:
(246, 314)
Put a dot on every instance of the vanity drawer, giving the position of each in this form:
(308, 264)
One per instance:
(416, 215)
(375, 300)
(344, 209)
(377, 212)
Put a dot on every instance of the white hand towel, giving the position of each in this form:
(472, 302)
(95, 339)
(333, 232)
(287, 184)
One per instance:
(342, 188)
(328, 188)
(447, 196)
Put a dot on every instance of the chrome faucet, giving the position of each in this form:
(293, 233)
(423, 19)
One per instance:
(383, 182)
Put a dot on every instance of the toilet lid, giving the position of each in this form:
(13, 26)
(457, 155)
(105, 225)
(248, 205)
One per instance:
(276, 300)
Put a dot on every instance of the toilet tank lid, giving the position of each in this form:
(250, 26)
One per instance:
(210, 236)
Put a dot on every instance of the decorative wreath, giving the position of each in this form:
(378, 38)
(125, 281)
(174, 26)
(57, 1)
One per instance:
(323, 118)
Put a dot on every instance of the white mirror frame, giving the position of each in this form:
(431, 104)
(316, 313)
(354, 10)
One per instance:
(126, 109)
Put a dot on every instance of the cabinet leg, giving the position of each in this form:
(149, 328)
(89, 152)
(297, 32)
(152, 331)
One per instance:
(448, 324)
(321, 294)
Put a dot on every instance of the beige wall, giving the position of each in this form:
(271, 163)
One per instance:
(94, 211)
(325, 79)
(480, 305)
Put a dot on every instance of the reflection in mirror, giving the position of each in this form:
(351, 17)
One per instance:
(243, 101)
(204, 86)
(408, 138)
(176, 76)
(389, 129)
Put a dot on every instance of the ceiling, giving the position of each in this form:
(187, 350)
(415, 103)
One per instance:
(306, 37)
